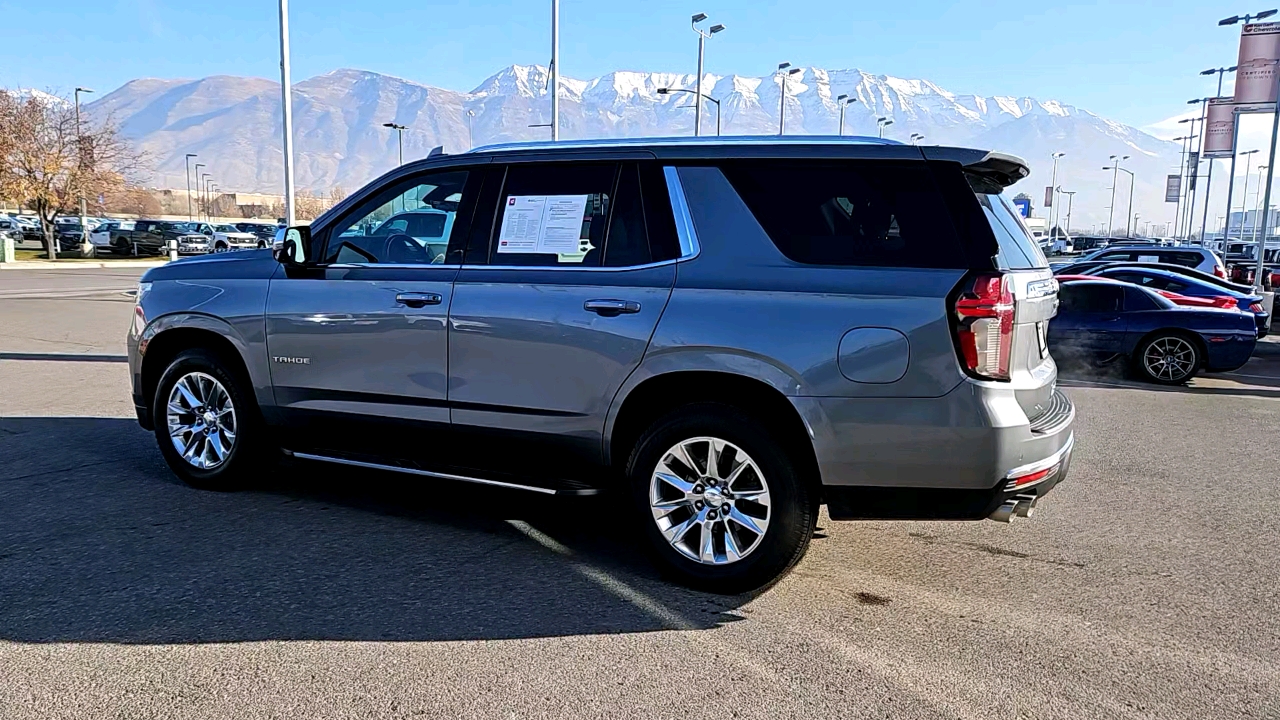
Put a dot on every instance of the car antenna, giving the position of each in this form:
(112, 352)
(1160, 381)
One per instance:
(436, 151)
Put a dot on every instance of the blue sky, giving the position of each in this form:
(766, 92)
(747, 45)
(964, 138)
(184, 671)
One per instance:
(1124, 60)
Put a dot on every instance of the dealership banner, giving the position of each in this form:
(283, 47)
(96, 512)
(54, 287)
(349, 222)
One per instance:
(1048, 196)
(1256, 68)
(1172, 188)
(1220, 127)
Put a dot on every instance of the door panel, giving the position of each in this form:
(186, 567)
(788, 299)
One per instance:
(529, 359)
(361, 346)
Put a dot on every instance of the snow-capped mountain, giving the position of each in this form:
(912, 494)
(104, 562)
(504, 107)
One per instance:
(233, 124)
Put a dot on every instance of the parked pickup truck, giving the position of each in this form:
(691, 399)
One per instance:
(151, 237)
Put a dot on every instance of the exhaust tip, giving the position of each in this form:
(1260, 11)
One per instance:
(1005, 512)
(1026, 505)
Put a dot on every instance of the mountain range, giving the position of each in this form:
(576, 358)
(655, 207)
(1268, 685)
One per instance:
(233, 124)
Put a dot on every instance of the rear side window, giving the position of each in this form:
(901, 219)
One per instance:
(1091, 297)
(1188, 259)
(1018, 250)
(854, 213)
(554, 214)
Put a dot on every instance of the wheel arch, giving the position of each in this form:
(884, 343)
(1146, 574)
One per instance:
(659, 394)
(1201, 346)
(168, 336)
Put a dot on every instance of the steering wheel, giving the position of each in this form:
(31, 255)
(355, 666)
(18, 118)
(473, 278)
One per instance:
(403, 249)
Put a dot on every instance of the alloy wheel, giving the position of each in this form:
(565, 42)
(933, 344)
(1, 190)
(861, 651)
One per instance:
(1170, 358)
(710, 500)
(201, 420)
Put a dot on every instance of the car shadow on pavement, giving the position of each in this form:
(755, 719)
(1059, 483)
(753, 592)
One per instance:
(99, 542)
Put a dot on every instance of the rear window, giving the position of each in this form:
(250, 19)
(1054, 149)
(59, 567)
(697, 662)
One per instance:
(887, 214)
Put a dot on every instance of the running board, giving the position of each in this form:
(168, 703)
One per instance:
(562, 491)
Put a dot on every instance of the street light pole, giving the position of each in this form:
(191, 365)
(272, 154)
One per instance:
(883, 123)
(783, 74)
(555, 70)
(1053, 189)
(1128, 229)
(286, 106)
(1111, 211)
(668, 91)
(702, 41)
(399, 136)
(190, 217)
(1257, 213)
(1071, 197)
(1208, 183)
(84, 231)
(471, 136)
(844, 101)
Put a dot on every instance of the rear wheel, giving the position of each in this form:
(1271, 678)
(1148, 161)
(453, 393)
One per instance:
(207, 423)
(721, 505)
(1168, 358)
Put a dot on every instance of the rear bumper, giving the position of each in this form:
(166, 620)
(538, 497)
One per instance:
(1003, 502)
(969, 439)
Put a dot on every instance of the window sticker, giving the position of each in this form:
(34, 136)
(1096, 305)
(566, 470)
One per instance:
(1149, 258)
(543, 224)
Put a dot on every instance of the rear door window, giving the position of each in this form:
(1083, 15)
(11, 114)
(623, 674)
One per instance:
(553, 214)
(855, 213)
(1018, 250)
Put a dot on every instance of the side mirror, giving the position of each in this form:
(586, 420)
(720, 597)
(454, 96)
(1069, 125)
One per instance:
(293, 249)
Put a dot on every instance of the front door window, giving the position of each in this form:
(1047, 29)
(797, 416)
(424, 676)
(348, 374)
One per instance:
(408, 224)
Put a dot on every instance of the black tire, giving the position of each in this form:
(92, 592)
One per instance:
(1186, 351)
(793, 509)
(249, 454)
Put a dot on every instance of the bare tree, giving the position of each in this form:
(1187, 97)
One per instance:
(48, 163)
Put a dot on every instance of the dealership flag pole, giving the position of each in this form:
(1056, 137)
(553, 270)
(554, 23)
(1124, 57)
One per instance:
(1231, 179)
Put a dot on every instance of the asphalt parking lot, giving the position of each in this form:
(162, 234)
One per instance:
(1144, 587)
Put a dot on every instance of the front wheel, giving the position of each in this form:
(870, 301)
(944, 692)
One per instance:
(1167, 358)
(720, 501)
(206, 422)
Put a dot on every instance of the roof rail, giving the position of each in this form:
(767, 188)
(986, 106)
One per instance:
(686, 141)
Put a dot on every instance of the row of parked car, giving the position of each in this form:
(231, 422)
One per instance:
(1169, 313)
(144, 237)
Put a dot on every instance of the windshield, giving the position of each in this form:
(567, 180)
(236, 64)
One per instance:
(225, 228)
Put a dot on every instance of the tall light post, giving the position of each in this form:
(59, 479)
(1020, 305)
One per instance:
(555, 70)
(1185, 170)
(844, 101)
(399, 136)
(702, 42)
(1071, 197)
(668, 91)
(1257, 213)
(204, 194)
(471, 135)
(199, 195)
(286, 106)
(1115, 176)
(883, 122)
(84, 231)
(1128, 230)
(1208, 183)
(1195, 169)
(916, 138)
(1053, 189)
(783, 74)
(190, 217)
(1244, 196)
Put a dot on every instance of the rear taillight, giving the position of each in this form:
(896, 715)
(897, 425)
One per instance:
(1257, 308)
(1225, 302)
(1220, 271)
(984, 326)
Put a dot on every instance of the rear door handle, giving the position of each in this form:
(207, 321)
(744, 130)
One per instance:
(611, 308)
(418, 299)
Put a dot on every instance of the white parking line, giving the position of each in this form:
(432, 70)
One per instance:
(646, 604)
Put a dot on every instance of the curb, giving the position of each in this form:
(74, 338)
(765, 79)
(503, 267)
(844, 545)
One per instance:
(69, 265)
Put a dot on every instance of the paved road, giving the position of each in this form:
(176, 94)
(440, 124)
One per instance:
(1145, 587)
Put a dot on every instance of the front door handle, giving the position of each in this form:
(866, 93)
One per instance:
(418, 299)
(611, 308)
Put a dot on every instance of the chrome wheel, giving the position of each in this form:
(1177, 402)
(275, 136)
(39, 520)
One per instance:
(201, 420)
(1170, 358)
(710, 500)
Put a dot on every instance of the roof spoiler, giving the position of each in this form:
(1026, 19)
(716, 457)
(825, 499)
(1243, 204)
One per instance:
(1000, 168)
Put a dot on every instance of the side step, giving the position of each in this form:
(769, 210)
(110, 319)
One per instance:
(561, 488)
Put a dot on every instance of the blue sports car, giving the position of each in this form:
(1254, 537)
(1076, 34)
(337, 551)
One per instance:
(1175, 282)
(1100, 321)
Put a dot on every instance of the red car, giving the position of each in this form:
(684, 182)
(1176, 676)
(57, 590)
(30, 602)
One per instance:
(1221, 302)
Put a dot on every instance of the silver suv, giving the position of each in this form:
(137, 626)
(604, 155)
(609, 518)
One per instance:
(724, 335)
